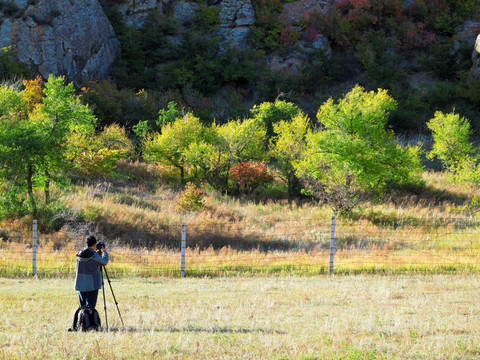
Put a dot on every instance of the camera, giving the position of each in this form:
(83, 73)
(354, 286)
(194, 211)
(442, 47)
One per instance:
(100, 245)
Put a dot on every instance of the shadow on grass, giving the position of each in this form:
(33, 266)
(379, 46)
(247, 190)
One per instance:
(169, 236)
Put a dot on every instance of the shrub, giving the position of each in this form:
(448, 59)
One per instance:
(288, 36)
(10, 68)
(247, 176)
(191, 199)
(98, 154)
(208, 17)
(311, 33)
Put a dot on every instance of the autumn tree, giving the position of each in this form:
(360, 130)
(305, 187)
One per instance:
(354, 153)
(270, 113)
(451, 145)
(223, 146)
(288, 147)
(98, 154)
(169, 146)
(35, 125)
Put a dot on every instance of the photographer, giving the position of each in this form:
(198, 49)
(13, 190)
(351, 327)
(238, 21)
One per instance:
(88, 279)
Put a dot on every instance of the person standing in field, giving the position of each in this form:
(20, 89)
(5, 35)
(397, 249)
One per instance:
(88, 278)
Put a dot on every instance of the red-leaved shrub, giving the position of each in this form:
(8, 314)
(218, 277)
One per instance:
(247, 176)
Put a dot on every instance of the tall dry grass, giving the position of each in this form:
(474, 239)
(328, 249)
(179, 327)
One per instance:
(431, 231)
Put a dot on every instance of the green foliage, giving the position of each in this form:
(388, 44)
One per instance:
(125, 107)
(10, 68)
(288, 148)
(169, 146)
(267, 30)
(451, 144)
(447, 58)
(470, 208)
(414, 111)
(168, 115)
(320, 70)
(165, 116)
(270, 113)
(222, 147)
(207, 17)
(33, 135)
(376, 51)
(267, 37)
(98, 154)
(142, 49)
(191, 199)
(354, 154)
(199, 65)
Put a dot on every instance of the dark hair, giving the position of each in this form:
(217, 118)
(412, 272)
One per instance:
(91, 240)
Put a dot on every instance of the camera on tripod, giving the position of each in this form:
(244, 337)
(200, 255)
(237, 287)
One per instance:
(100, 245)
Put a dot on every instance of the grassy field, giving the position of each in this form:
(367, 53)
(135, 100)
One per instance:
(430, 230)
(322, 317)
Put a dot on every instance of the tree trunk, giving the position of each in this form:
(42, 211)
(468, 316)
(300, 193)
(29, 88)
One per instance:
(47, 187)
(30, 190)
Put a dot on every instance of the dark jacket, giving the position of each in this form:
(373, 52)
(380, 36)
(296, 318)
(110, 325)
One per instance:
(88, 274)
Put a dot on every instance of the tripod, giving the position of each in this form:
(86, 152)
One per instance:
(114, 298)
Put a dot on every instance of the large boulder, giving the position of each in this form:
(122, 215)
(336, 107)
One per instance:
(61, 37)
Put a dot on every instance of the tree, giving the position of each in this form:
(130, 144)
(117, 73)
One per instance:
(99, 153)
(270, 113)
(451, 144)
(288, 147)
(169, 146)
(225, 145)
(354, 154)
(34, 129)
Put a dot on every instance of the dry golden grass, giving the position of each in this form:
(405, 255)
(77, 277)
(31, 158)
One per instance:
(426, 232)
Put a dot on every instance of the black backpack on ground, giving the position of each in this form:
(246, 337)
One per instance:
(86, 319)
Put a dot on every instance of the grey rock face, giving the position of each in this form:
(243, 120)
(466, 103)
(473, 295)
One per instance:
(236, 17)
(62, 37)
(184, 11)
(475, 70)
(135, 12)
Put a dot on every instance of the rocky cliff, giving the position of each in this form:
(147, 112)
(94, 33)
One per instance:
(75, 38)
(61, 37)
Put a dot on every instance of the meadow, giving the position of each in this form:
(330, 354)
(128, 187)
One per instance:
(435, 231)
(320, 317)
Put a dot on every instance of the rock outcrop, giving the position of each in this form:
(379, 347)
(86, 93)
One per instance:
(236, 18)
(60, 37)
(475, 70)
(136, 12)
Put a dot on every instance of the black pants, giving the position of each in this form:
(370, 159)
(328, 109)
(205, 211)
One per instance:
(88, 298)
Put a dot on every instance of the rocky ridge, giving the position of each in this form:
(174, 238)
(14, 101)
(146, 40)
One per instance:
(75, 38)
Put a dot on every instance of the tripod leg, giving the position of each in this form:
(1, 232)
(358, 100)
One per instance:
(104, 301)
(114, 298)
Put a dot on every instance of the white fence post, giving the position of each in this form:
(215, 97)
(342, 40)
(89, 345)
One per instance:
(332, 244)
(184, 245)
(34, 249)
